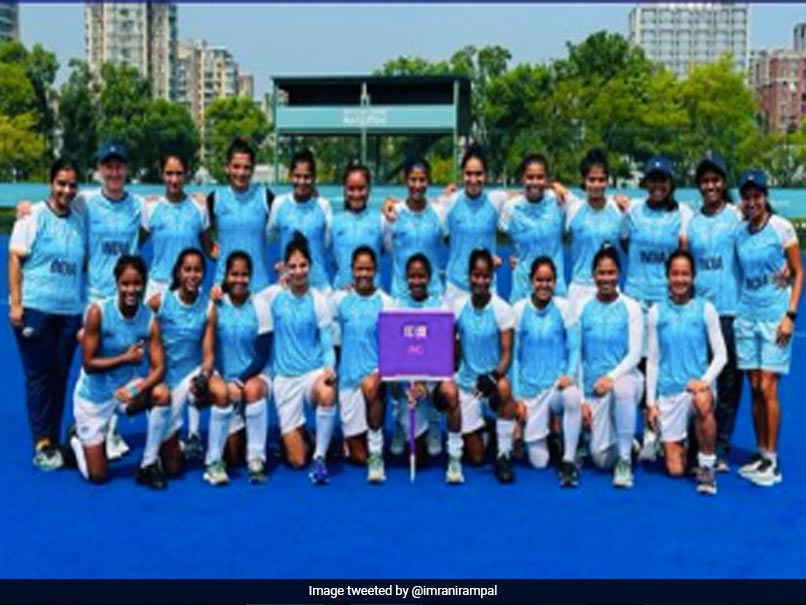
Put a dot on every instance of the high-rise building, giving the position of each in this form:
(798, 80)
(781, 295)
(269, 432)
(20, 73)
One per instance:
(800, 36)
(246, 85)
(140, 34)
(9, 21)
(205, 73)
(683, 35)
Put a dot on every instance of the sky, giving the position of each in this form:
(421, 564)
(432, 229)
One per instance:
(352, 39)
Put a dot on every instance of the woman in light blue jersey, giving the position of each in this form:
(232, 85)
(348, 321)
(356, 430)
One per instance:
(484, 327)
(612, 331)
(304, 211)
(174, 222)
(712, 237)
(765, 320)
(239, 215)
(304, 360)
(119, 333)
(188, 324)
(591, 223)
(361, 392)
(534, 223)
(441, 396)
(546, 370)
(243, 341)
(356, 226)
(46, 262)
(683, 330)
(414, 226)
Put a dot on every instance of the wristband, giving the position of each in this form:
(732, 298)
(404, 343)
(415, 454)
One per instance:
(134, 388)
(238, 383)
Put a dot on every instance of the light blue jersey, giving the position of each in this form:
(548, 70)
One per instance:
(182, 328)
(173, 226)
(434, 301)
(113, 229)
(53, 248)
(237, 330)
(117, 334)
(590, 228)
(302, 331)
(681, 337)
(535, 229)
(654, 235)
(241, 220)
(351, 230)
(546, 346)
(470, 224)
(313, 219)
(412, 232)
(356, 332)
(479, 332)
(712, 242)
(761, 256)
(611, 339)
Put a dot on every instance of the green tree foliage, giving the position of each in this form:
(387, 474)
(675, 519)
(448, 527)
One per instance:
(21, 147)
(226, 119)
(78, 111)
(167, 127)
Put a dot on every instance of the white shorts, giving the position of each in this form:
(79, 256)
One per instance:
(353, 412)
(473, 411)
(238, 422)
(539, 406)
(676, 411)
(92, 419)
(291, 393)
(603, 423)
(578, 294)
(155, 287)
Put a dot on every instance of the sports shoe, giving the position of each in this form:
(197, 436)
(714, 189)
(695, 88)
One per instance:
(569, 474)
(503, 469)
(376, 472)
(453, 474)
(650, 447)
(434, 439)
(766, 474)
(257, 471)
(152, 476)
(398, 445)
(319, 474)
(622, 474)
(116, 448)
(750, 467)
(216, 473)
(722, 465)
(706, 480)
(48, 457)
(194, 448)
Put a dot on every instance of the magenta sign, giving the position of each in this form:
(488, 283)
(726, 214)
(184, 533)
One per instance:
(416, 344)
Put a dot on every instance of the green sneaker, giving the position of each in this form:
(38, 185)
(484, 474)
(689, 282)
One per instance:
(216, 473)
(376, 472)
(622, 474)
(453, 474)
(48, 458)
(257, 471)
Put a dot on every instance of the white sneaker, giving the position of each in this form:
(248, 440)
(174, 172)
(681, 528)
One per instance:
(751, 466)
(766, 475)
(216, 473)
(453, 474)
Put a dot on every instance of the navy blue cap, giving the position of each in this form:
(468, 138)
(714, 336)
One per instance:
(712, 160)
(753, 178)
(112, 149)
(659, 164)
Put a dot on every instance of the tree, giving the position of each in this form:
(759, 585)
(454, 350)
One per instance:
(78, 115)
(16, 93)
(21, 147)
(167, 127)
(225, 119)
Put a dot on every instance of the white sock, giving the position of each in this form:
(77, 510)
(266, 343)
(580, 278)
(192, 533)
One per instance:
(220, 419)
(81, 460)
(772, 457)
(325, 419)
(538, 453)
(626, 413)
(112, 429)
(572, 422)
(375, 442)
(257, 426)
(503, 430)
(706, 460)
(194, 420)
(158, 418)
(455, 445)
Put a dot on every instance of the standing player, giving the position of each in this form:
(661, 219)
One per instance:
(305, 212)
(46, 258)
(356, 226)
(611, 326)
(766, 318)
(484, 325)
(361, 393)
(683, 330)
(117, 331)
(243, 342)
(304, 360)
(546, 369)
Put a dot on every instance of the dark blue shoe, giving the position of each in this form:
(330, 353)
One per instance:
(319, 474)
